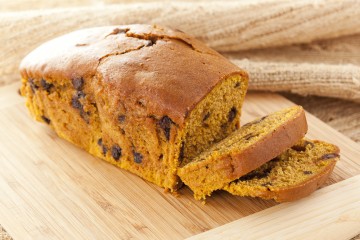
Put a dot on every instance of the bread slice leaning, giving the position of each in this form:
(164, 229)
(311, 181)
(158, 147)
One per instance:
(294, 174)
(244, 150)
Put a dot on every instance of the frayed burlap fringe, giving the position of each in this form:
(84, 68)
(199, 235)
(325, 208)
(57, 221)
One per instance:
(225, 27)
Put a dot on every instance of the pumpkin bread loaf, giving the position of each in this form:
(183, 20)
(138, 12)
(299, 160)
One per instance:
(294, 174)
(144, 98)
(244, 150)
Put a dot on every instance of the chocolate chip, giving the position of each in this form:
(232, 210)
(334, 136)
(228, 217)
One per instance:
(298, 148)
(85, 115)
(75, 103)
(206, 125)
(137, 157)
(121, 118)
(80, 94)
(47, 120)
(45, 85)
(206, 116)
(32, 84)
(75, 100)
(19, 92)
(302, 148)
(232, 114)
(255, 121)
(181, 154)
(104, 149)
(165, 124)
(266, 184)
(254, 174)
(307, 172)
(263, 172)
(116, 152)
(78, 83)
(249, 136)
(161, 157)
(329, 156)
(237, 84)
(309, 143)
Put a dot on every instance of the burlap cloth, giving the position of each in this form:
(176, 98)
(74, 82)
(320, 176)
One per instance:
(304, 47)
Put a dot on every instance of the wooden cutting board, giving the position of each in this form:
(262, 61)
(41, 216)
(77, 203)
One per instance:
(51, 189)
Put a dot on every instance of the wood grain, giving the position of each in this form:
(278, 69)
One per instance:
(330, 213)
(53, 190)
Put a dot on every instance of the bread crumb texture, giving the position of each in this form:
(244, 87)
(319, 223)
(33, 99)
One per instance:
(288, 177)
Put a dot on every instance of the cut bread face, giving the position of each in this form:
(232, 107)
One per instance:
(294, 174)
(151, 147)
(214, 118)
(244, 150)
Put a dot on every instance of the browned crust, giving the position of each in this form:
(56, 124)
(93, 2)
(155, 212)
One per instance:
(299, 191)
(302, 189)
(169, 71)
(232, 167)
(269, 147)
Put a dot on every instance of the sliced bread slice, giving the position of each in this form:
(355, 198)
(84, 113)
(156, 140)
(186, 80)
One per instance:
(294, 174)
(244, 150)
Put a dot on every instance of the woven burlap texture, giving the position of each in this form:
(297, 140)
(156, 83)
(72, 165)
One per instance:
(226, 27)
(341, 81)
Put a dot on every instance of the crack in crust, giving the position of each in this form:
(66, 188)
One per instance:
(119, 53)
(151, 37)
